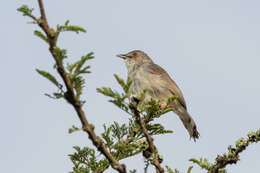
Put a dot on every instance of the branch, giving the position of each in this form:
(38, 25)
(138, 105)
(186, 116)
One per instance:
(233, 155)
(152, 148)
(70, 95)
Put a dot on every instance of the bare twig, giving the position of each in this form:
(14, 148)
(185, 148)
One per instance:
(152, 148)
(70, 95)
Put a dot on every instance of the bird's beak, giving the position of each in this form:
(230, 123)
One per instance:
(121, 56)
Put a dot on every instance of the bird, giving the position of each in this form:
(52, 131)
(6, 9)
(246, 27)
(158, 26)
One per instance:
(146, 75)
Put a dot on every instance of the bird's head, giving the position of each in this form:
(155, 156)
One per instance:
(135, 58)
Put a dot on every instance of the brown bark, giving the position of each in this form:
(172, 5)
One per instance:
(70, 95)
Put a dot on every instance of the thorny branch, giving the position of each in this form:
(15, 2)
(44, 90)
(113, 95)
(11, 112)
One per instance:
(70, 95)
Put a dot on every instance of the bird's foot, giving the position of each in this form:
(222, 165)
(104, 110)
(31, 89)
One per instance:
(163, 106)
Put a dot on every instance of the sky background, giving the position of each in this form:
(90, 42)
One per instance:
(210, 48)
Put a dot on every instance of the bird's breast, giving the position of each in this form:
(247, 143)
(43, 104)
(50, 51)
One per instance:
(138, 82)
(143, 80)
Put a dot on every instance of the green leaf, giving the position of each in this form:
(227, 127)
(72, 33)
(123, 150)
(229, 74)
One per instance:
(77, 148)
(74, 28)
(76, 67)
(80, 63)
(67, 22)
(50, 77)
(106, 136)
(58, 95)
(189, 169)
(117, 100)
(108, 92)
(60, 53)
(133, 171)
(171, 99)
(73, 129)
(169, 170)
(27, 12)
(67, 27)
(86, 160)
(121, 105)
(55, 95)
(164, 111)
(121, 82)
(157, 129)
(78, 85)
(203, 163)
(75, 72)
(41, 35)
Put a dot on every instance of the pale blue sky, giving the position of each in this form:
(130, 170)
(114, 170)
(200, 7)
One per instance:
(210, 48)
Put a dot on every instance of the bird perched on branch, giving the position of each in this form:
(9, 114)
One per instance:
(145, 75)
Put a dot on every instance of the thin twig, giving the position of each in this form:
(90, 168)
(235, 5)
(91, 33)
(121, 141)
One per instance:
(70, 95)
(152, 148)
(233, 156)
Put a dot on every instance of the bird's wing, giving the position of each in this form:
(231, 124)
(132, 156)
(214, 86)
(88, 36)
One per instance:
(155, 69)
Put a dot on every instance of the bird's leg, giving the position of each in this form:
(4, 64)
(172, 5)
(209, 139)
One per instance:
(163, 106)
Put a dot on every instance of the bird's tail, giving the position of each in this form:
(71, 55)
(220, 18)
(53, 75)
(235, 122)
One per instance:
(188, 123)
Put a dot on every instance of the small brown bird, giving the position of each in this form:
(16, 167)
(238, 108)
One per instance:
(145, 75)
